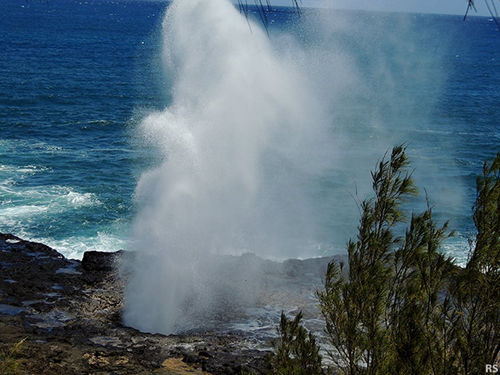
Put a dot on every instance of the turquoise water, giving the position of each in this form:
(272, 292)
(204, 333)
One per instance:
(77, 77)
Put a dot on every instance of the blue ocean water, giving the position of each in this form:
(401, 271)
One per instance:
(68, 91)
(77, 76)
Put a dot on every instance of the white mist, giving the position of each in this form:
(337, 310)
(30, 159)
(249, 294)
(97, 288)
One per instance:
(238, 143)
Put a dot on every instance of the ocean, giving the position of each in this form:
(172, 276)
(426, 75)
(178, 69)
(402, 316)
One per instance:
(77, 78)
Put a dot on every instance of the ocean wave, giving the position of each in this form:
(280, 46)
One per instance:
(9, 213)
(75, 199)
(19, 202)
(458, 248)
(74, 247)
(24, 169)
(103, 122)
(43, 146)
(20, 146)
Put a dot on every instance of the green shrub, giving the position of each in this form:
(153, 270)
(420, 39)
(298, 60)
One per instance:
(476, 290)
(296, 350)
(401, 306)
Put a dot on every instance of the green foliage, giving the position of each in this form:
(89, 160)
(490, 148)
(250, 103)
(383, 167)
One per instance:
(401, 306)
(296, 351)
(8, 363)
(485, 256)
(380, 316)
(476, 291)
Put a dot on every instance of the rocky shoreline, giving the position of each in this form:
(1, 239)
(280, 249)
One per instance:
(69, 314)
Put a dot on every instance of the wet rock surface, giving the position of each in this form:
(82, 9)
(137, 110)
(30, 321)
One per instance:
(69, 313)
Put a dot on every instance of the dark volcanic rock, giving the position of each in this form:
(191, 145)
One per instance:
(69, 313)
(96, 261)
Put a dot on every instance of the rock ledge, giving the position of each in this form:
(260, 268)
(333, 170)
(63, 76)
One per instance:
(68, 312)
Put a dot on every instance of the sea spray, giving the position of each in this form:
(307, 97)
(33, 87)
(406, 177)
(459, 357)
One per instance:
(238, 143)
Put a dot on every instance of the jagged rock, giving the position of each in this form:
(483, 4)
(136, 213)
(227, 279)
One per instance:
(100, 261)
(69, 312)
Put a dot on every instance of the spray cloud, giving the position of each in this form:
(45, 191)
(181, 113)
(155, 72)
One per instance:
(249, 163)
(238, 143)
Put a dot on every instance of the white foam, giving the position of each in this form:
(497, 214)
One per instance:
(458, 248)
(53, 199)
(16, 212)
(74, 247)
(21, 172)
(81, 200)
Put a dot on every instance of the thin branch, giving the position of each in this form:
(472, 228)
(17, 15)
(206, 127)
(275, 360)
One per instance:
(493, 12)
